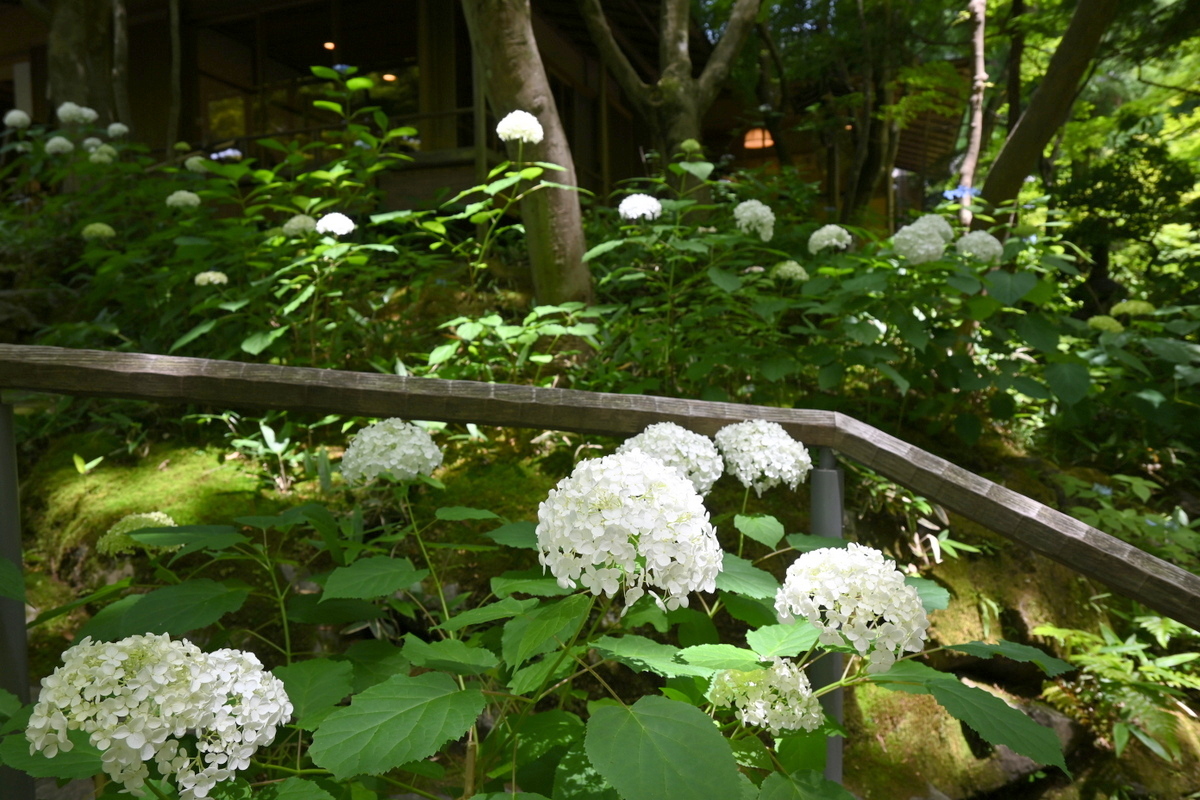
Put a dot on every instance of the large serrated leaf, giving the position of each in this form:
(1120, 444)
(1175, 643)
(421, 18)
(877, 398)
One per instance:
(720, 656)
(508, 607)
(530, 581)
(933, 597)
(1017, 652)
(400, 720)
(1069, 380)
(459, 513)
(803, 785)
(660, 749)
(183, 607)
(81, 761)
(759, 527)
(515, 534)
(999, 723)
(315, 686)
(543, 628)
(642, 654)
(449, 655)
(374, 662)
(783, 641)
(367, 578)
(576, 778)
(741, 577)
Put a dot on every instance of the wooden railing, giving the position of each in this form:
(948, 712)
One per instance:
(1126, 569)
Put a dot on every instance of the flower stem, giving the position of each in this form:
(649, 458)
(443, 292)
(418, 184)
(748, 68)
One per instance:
(437, 581)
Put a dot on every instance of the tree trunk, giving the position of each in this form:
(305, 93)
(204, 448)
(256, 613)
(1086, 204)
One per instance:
(1016, 54)
(502, 37)
(120, 62)
(673, 106)
(978, 11)
(176, 79)
(1050, 104)
(79, 54)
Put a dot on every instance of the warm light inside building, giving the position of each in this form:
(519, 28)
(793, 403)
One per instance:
(329, 46)
(387, 76)
(757, 139)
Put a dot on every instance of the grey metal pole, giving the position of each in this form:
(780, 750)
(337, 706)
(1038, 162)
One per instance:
(826, 520)
(14, 656)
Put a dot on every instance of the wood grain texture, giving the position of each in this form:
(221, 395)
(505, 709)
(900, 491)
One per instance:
(226, 385)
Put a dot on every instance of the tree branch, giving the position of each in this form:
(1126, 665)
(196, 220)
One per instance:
(637, 90)
(673, 54)
(741, 20)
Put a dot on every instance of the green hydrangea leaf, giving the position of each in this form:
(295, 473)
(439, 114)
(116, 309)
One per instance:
(183, 607)
(803, 785)
(783, 641)
(760, 527)
(315, 686)
(741, 577)
(400, 720)
(377, 576)
(1017, 652)
(542, 628)
(293, 789)
(450, 655)
(642, 655)
(374, 662)
(81, 761)
(660, 749)
(576, 778)
(720, 656)
(508, 607)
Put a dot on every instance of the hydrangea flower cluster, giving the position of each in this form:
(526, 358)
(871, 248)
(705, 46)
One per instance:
(1105, 324)
(1133, 307)
(857, 597)
(778, 698)
(137, 699)
(918, 244)
(97, 230)
(71, 113)
(691, 454)
(762, 455)
(981, 246)
(336, 223)
(117, 130)
(183, 199)
(640, 206)
(59, 146)
(628, 521)
(392, 445)
(91, 143)
(116, 540)
(196, 164)
(937, 224)
(299, 225)
(789, 271)
(16, 118)
(753, 216)
(520, 126)
(228, 154)
(829, 236)
(104, 154)
(211, 278)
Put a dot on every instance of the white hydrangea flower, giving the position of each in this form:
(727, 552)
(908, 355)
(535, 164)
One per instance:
(981, 246)
(59, 145)
(71, 113)
(401, 448)
(856, 597)
(336, 223)
(116, 541)
(117, 129)
(919, 243)
(789, 271)
(91, 143)
(778, 698)
(97, 230)
(299, 225)
(761, 455)
(211, 278)
(196, 164)
(1133, 307)
(104, 154)
(640, 206)
(829, 236)
(691, 454)
(520, 126)
(228, 154)
(628, 521)
(753, 216)
(938, 225)
(17, 118)
(137, 699)
(183, 199)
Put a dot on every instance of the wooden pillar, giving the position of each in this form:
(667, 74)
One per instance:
(438, 77)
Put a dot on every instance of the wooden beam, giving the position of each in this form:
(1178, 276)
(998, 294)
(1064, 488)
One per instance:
(226, 384)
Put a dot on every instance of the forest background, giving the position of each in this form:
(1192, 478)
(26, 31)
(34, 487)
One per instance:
(1067, 368)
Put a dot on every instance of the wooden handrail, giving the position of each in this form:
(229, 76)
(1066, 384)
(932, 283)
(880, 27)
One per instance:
(1156, 583)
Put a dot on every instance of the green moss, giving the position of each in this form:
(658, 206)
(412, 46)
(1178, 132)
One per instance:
(64, 510)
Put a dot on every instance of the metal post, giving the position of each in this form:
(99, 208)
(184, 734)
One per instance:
(14, 657)
(826, 520)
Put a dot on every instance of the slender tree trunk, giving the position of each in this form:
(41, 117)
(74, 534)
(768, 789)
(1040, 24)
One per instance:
(978, 11)
(79, 54)
(120, 62)
(1016, 54)
(502, 36)
(1050, 104)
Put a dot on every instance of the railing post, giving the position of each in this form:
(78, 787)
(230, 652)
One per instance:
(14, 658)
(826, 520)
